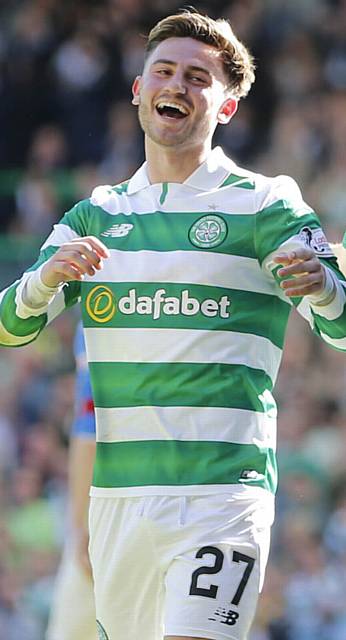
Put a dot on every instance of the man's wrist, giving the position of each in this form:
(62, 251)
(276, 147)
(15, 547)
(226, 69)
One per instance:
(42, 284)
(33, 296)
(37, 293)
(328, 293)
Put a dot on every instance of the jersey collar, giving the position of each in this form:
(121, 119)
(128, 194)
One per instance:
(209, 175)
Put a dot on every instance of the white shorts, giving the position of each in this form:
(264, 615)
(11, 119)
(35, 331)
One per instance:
(179, 565)
(72, 615)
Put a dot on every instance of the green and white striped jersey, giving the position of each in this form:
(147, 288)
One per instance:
(185, 324)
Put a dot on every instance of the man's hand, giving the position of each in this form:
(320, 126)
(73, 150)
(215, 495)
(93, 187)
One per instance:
(309, 276)
(74, 259)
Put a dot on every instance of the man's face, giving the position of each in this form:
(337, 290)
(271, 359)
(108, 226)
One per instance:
(182, 94)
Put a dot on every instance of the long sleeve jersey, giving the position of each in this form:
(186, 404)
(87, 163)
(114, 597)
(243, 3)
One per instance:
(185, 324)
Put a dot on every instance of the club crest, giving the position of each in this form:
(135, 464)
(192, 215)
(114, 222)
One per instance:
(208, 232)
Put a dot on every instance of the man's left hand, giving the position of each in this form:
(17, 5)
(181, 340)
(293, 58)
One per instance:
(309, 276)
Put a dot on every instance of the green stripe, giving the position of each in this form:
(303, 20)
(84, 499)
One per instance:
(238, 181)
(122, 187)
(72, 293)
(164, 192)
(157, 231)
(78, 218)
(131, 384)
(178, 463)
(279, 222)
(334, 329)
(13, 324)
(43, 257)
(254, 313)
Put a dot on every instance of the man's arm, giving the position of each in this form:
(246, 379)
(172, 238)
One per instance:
(321, 290)
(47, 288)
(294, 250)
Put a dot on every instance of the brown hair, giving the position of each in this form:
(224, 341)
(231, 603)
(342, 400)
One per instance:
(237, 61)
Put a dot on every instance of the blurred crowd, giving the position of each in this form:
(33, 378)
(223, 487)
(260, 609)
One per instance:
(66, 125)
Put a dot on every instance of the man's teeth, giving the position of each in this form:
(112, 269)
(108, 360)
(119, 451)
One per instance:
(173, 105)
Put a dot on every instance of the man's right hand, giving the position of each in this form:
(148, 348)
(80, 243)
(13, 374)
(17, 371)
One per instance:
(73, 260)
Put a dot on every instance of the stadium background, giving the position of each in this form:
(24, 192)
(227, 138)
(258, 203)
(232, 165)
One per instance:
(66, 124)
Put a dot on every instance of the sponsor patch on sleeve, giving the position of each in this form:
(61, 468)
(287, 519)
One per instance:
(316, 239)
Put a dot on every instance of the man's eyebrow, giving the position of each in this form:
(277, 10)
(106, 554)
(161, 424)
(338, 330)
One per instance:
(190, 67)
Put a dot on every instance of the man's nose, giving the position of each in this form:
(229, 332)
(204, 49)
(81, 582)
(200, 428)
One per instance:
(176, 83)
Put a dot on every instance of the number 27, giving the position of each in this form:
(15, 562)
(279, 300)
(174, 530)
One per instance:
(211, 592)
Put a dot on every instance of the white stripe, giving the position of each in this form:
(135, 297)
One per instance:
(281, 187)
(335, 308)
(23, 309)
(185, 423)
(330, 312)
(304, 310)
(338, 343)
(182, 345)
(61, 233)
(56, 306)
(253, 493)
(180, 198)
(187, 267)
(10, 340)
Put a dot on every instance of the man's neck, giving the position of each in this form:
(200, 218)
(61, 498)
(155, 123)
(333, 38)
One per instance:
(169, 165)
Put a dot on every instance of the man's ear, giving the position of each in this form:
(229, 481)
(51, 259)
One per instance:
(227, 110)
(136, 90)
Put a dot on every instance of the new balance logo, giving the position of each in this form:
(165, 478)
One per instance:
(117, 230)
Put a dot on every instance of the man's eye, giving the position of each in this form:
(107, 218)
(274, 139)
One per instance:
(162, 72)
(197, 79)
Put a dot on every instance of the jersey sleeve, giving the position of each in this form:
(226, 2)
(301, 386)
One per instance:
(83, 425)
(285, 222)
(17, 328)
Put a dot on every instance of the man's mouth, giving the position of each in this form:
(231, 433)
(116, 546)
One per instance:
(169, 109)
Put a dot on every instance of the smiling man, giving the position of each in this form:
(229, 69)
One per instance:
(180, 95)
(185, 314)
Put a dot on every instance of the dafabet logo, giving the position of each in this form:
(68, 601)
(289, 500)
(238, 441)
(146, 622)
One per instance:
(102, 304)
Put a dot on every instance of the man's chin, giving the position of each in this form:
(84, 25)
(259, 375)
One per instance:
(168, 139)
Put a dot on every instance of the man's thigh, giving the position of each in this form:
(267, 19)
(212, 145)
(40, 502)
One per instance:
(127, 578)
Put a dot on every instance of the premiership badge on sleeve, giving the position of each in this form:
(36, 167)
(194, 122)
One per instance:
(316, 239)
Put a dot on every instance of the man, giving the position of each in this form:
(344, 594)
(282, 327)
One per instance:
(72, 615)
(187, 274)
